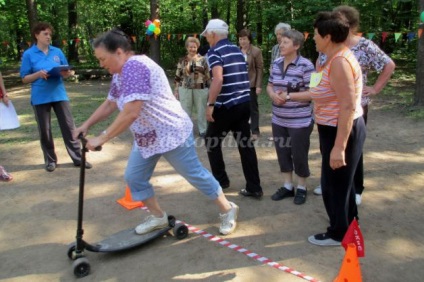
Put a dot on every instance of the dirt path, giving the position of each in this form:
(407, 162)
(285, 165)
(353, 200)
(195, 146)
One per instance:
(38, 213)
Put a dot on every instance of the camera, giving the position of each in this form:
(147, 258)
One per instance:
(193, 66)
(293, 87)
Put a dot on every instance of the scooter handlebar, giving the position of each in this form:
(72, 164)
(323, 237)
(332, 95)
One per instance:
(84, 143)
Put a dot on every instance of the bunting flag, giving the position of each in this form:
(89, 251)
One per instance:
(409, 36)
(384, 35)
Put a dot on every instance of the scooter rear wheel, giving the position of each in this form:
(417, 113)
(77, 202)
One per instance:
(180, 231)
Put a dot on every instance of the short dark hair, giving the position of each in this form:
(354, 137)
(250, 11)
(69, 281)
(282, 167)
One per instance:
(351, 14)
(112, 40)
(334, 24)
(39, 27)
(245, 33)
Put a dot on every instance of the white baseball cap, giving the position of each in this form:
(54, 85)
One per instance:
(215, 24)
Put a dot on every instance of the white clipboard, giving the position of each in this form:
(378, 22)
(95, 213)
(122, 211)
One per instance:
(8, 117)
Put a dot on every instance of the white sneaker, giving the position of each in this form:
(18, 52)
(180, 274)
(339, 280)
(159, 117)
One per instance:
(358, 199)
(318, 190)
(229, 220)
(151, 223)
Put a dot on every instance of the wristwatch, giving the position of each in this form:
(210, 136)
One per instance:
(210, 104)
(288, 97)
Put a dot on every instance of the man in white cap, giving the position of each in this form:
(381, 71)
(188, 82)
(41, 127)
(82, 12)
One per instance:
(228, 108)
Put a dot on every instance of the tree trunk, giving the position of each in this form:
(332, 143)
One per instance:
(72, 31)
(154, 40)
(241, 15)
(419, 91)
(32, 13)
(214, 9)
(205, 14)
(259, 22)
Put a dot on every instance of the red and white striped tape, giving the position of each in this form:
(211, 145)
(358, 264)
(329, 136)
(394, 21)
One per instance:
(242, 250)
(248, 253)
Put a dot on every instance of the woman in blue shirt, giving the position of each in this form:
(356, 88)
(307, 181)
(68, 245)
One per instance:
(47, 93)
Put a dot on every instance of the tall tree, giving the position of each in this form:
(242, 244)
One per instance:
(241, 15)
(154, 40)
(32, 13)
(72, 31)
(419, 91)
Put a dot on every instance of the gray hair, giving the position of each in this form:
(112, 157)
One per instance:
(297, 37)
(282, 26)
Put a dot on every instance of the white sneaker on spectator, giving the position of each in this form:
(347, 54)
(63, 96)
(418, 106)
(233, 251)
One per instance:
(318, 190)
(229, 220)
(358, 199)
(151, 223)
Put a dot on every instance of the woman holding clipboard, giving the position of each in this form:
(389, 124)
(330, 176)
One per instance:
(39, 63)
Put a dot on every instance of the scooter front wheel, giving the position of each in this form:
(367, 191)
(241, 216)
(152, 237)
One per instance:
(81, 267)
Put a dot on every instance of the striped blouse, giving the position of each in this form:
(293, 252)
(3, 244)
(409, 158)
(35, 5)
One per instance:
(326, 104)
(292, 114)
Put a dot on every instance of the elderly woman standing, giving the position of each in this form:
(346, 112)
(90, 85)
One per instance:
(255, 67)
(292, 122)
(191, 79)
(336, 91)
(280, 28)
(369, 56)
(48, 93)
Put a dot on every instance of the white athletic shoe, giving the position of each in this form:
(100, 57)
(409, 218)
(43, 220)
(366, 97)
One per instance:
(229, 220)
(318, 190)
(151, 223)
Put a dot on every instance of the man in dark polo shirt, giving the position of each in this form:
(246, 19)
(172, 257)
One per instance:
(228, 108)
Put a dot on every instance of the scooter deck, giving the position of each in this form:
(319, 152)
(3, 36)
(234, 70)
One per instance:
(126, 239)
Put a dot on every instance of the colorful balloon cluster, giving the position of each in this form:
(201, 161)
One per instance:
(152, 27)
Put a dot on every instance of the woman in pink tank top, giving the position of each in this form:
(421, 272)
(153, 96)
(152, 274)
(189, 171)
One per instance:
(336, 91)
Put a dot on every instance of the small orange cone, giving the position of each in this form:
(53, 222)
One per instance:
(350, 270)
(127, 201)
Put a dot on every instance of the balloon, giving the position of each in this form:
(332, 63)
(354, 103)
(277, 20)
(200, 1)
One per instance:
(157, 31)
(149, 32)
(151, 27)
(422, 16)
(147, 23)
(157, 23)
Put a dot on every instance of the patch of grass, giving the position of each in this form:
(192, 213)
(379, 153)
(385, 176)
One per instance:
(399, 95)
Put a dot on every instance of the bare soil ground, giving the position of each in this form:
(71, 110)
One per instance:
(39, 209)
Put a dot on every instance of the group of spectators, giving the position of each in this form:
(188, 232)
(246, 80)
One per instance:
(333, 93)
(223, 87)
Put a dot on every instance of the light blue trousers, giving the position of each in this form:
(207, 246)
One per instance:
(183, 159)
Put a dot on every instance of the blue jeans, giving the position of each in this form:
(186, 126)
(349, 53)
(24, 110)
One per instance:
(183, 159)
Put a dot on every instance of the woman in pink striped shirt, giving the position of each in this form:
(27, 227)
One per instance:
(336, 91)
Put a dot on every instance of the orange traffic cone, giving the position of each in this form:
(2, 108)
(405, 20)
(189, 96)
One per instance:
(350, 270)
(127, 201)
